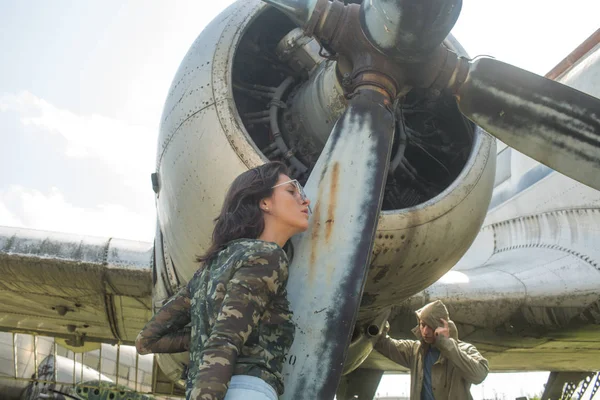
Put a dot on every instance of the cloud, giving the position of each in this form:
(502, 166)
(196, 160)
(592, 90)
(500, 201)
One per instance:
(127, 153)
(127, 150)
(31, 208)
(7, 218)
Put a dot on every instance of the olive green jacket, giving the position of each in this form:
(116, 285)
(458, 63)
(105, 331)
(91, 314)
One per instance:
(459, 365)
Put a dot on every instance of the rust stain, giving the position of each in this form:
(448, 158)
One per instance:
(576, 55)
(333, 191)
(314, 238)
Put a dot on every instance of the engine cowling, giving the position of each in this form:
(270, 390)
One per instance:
(218, 122)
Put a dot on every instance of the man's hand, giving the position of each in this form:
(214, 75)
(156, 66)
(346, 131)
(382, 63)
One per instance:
(442, 330)
(385, 329)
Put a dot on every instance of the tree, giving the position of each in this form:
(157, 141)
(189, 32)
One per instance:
(535, 396)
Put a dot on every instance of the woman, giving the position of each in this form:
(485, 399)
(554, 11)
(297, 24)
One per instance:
(236, 302)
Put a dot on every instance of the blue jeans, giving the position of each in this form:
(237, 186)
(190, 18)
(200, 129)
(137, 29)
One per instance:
(245, 387)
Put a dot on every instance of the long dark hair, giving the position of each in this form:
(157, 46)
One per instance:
(241, 216)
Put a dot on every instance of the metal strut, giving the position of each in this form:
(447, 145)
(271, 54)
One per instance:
(568, 390)
(584, 385)
(596, 386)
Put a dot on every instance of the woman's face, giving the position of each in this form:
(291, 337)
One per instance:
(287, 205)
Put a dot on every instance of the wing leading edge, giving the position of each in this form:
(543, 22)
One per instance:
(528, 294)
(79, 288)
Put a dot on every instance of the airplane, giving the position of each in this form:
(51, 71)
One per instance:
(90, 384)
(382, 119)
(76, 368)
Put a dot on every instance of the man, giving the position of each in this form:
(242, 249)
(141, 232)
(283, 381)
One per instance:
(441, 366)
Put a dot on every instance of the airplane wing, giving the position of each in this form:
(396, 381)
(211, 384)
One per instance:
(79, 288)
(527, 294)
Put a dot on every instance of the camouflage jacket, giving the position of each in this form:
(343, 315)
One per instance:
(240, 319)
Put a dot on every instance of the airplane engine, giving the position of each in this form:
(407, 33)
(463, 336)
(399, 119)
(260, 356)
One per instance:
(254, 88)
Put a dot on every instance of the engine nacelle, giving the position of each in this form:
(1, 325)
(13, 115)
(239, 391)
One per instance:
(252, 88)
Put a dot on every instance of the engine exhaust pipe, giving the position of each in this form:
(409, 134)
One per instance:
(373, 330)
(363, 342)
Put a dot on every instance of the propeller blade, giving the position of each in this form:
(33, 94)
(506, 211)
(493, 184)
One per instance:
(548, 121)
(331, 259)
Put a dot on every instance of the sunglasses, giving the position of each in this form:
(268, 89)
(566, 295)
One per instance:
(299, 191)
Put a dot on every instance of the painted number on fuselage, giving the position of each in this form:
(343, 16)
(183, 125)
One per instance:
(289, 359)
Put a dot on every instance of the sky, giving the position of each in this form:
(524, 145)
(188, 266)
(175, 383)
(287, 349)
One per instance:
(82, 86)
(504, 386)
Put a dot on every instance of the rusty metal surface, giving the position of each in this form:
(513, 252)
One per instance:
(340, 29)
(417, 245)
(115, 253)
(405, 30)
(526, 294)
(75, 287)
(542, 270)
(203, 145)
(325, 286)
(558, 191)
(317, 105)
(550, 122)
(299, 51)
(364, 337)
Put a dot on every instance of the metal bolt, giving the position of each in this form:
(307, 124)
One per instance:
(346, 80)
(61, 310)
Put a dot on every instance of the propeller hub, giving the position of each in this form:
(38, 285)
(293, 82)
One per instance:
(408, 30)
(389, 45)
(339, 31)
(300, 11)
